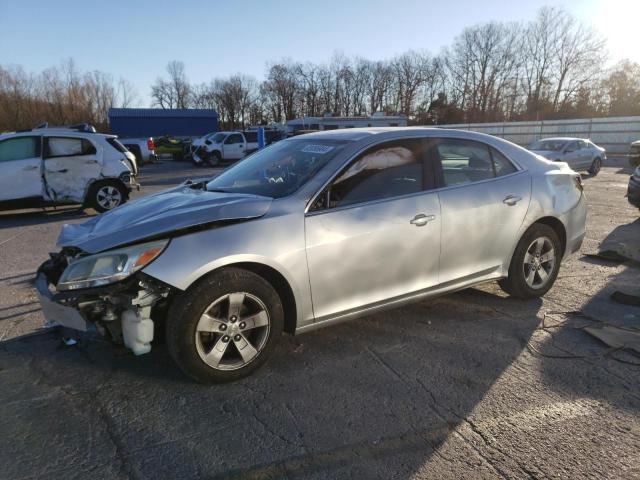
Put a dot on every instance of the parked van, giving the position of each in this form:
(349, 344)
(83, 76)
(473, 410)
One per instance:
(66, 165)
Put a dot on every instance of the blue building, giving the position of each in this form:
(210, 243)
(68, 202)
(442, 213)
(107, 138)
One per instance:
(156, 122)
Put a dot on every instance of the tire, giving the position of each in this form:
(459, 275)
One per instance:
(595, 167)
(105, 196)
(214, 159)
(208, 348)
(520, 283)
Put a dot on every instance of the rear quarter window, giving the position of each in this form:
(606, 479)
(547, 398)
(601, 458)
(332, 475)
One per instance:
(115, 143)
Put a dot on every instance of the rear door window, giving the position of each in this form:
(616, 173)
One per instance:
(233, 139)
(68, 147)
(19, 148)
(572, 147)
(468, 161)
(464, 161)
(502, 164)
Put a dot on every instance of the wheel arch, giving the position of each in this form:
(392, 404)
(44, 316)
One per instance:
(557, 227)
(276, 279)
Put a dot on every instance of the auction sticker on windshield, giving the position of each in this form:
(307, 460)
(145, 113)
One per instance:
(321, 149)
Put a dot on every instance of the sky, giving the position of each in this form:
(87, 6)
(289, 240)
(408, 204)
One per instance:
(136, 39)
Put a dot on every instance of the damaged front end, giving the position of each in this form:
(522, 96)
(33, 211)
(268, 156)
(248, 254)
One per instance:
(106, 293)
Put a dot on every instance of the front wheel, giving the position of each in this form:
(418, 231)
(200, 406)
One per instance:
(224, 327)
(214, 159)
(535, 263)
(105, 196)
(595, 167)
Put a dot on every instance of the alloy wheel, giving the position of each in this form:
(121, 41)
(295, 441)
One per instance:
(539, 262)
(108, 197)
(232, 331)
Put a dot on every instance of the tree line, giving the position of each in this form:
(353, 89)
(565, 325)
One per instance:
(549, 67)
(59, 95)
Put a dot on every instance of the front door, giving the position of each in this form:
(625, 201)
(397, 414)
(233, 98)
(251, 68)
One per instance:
(20, 168)
(234, 147)
(70, 165)
(374, 233)
(484, 201)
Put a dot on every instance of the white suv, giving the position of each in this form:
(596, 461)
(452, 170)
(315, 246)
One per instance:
(66, 165)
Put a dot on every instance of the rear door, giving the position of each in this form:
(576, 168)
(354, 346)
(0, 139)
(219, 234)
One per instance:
(20, 168)
(572, 155)
(374, 233)
(70, 165)
(484, 199)
(233, 147)
(586, 154)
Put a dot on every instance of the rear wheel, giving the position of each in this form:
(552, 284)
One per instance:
(595, 167)
(105, 196)
(535, 263)
(225, 327)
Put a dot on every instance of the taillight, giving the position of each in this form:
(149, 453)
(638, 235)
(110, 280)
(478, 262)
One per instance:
(151, 144)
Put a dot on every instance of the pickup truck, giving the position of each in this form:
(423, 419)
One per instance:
(142, 148)
(218, 147)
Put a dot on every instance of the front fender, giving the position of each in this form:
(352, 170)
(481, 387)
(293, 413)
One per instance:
(275, 242)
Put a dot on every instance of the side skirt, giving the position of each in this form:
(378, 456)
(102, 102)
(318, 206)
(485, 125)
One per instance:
(485, 276)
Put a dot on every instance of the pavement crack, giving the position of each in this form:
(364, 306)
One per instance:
(272, 432)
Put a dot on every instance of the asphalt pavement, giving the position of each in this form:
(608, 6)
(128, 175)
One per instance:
(470, 385)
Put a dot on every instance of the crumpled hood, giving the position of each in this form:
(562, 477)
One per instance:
(160, 213)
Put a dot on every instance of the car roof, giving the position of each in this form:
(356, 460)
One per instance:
(360, 133)
(55, 131)
(564, 139)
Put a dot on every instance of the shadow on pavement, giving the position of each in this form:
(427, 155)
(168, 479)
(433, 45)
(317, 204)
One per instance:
(42, 216)
(372, 398)
(570, 348)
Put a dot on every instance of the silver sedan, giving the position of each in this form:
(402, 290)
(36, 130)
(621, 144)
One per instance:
(313, 231)
(579, 153)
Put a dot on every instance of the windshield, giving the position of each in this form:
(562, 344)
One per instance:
(278, 170)
(552, 145)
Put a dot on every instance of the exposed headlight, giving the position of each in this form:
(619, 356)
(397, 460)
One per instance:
(109, 267)
(636, 172)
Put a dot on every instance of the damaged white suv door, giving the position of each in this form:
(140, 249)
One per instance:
(64, 166)
(70, 165)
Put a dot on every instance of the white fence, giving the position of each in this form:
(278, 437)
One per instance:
(614, 133)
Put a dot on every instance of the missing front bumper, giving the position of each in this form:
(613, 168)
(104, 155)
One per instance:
(56, 312)
(120, 311)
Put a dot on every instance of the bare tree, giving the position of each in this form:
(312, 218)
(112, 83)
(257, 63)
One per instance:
(174, 92)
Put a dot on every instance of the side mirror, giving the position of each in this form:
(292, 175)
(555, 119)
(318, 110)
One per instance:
(207, 142)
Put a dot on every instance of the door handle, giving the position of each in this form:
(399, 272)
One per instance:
(64, 170)
(421, 219)
(511, 200)
(91, 161)
(30, 167)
